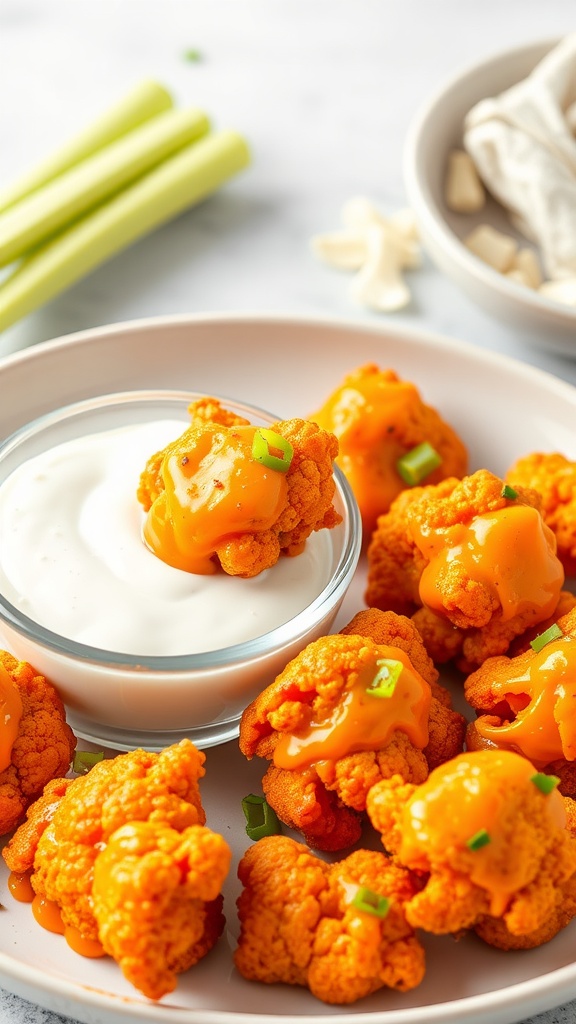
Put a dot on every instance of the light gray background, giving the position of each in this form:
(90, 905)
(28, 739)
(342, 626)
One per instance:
(323, 89)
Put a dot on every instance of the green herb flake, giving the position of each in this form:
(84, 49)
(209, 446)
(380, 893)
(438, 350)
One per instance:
(478, 840)
(386, 678)
(84, 760)
(552, 633)
(416, 464)
(370, 902)
(264, 441)
(261, 819)
(545, 783)
(193, 56)
(509, 492)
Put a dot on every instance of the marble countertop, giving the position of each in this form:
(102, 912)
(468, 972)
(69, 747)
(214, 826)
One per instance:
(324, 91)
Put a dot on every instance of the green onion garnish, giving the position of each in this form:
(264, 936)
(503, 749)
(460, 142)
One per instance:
(265, 439)
(193, 56)
(418, 463)
(478, 840)
(386, 678)
(84, 760)
(508, 492)
(545, 783)
(552, 633)
(261, 820)
(371, 902)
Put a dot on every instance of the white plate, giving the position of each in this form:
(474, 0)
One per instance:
(502, 409)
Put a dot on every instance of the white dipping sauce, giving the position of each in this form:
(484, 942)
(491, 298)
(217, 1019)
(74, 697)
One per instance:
(72, 557)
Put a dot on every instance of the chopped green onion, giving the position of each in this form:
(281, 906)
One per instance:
(478, 840)
(193, 56)
(508, 492)
(545, 783)
(386, 678)
(261, 820)
(552, 633)
(371, 902)
(84, 760)
(416, 464)
(264, 440)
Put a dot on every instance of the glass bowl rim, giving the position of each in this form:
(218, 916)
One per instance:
(222, 658)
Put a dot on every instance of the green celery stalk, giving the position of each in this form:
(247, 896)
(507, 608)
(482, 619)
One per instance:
(145, 100)
(63, 200)
(177, 183)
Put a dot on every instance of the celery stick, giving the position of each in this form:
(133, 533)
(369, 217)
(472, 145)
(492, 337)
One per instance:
(145, 100)
(177, 183)
(63, 200)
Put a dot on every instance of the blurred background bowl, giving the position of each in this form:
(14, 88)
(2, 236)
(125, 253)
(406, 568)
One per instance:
(437, 129)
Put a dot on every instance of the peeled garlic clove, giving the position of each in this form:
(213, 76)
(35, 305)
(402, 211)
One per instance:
(526, 262)
(493, 247)
(340, 249)
(404, 221)
(359, 213)
(379, 283)
(463, 190)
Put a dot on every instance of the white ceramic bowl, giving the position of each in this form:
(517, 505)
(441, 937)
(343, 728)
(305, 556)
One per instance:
(125, 700)
(436, 129)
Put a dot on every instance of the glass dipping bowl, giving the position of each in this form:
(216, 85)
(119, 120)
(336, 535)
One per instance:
(124, 701)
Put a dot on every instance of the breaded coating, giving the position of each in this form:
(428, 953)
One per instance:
(238, 515)
(554, 477)
(490, 845)
(526, 703)
(138, 786)
(378, 418)
(299, 924)
(157, 900)
(329, 739)
(43, 747)
(464, 553)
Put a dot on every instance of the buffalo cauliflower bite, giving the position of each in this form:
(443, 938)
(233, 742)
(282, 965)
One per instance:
(525, 703)
(479, 563)
(346, 712)
(77, 821)
(233, 496)
(302, 922)
(554, 477)
(156, 900)
(36, 744)
(378, 418)
(487, 836)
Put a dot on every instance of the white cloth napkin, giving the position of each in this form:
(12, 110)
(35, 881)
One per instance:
(525, 152)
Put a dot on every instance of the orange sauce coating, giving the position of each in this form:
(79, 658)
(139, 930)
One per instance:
(362, 721)
(47, 915)
(364, 415)
(20, 886)
(463, 797)
(10, 715)
(214, 490)
(545, 729)
(511, 551)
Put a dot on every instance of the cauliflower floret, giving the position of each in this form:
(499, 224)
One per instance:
(490, 846)
(157, 900)
(525, 703)
(212, 504)
(329, 739)
(554, 477)
(299, 924)
(460, 553)
(138, 786)
(43, 747)
(378, 418)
